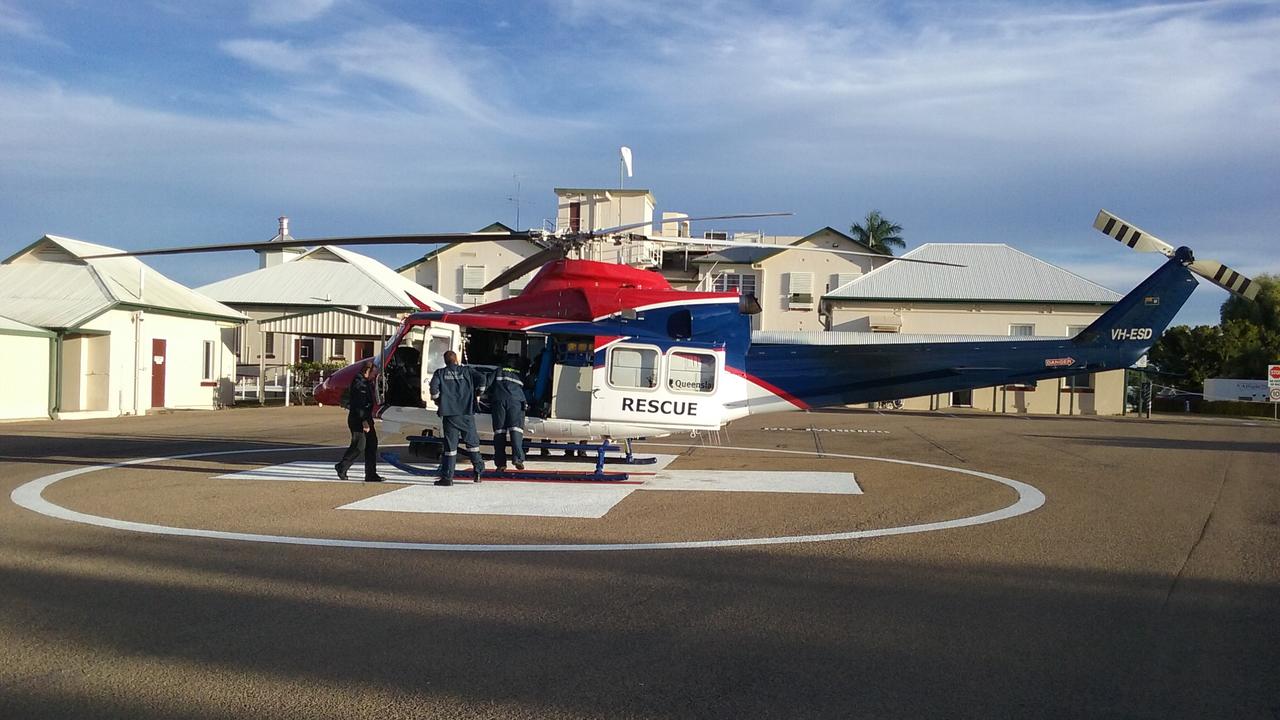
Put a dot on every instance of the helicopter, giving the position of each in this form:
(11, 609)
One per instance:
(615, 352)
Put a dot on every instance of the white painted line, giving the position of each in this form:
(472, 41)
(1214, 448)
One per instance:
(29, 495)
(572, 500)
(823, 483)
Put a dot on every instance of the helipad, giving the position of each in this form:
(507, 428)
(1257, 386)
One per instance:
(549, 501)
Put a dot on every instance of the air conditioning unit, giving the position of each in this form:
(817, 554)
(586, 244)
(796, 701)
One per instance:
(799, 301)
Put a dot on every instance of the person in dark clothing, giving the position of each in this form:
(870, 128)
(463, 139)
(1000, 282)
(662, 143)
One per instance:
(364, 437)
(506, 407)
(454, 388)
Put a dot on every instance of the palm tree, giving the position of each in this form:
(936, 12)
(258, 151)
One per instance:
(878, 233)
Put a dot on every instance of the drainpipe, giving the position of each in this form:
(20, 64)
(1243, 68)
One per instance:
(55, 375)
(137, 356)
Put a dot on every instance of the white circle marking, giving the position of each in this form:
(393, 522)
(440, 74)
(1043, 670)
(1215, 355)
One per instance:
(30, 496)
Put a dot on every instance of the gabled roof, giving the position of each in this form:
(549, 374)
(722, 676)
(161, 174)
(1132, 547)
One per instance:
(746, 255)
(326, 275)
(991, 272)
(496, 227)
(49, 284)
(9, 326)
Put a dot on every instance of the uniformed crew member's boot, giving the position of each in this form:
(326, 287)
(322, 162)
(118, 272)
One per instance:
(446, 470)
(477, 464)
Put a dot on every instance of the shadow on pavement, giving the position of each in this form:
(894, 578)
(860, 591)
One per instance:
(738, 634)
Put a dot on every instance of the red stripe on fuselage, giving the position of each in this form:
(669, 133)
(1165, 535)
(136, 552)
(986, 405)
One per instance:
(802, 405)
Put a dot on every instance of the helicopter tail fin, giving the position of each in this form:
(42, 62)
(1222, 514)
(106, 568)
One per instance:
(1136, 321)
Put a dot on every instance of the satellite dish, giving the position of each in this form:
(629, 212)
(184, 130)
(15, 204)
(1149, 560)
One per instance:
(626, 159)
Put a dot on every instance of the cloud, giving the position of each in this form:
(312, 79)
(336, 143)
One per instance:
(16, 22)
(284, 12)
(438, 71)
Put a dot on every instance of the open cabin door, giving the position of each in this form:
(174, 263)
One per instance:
(566, 363)
(436, 340)
(646, 384)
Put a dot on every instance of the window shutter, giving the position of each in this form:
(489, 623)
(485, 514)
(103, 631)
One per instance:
(843, 279)
(472, 279)
(800, 291)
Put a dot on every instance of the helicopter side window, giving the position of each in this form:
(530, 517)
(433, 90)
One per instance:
(632, 367)
(691, 372)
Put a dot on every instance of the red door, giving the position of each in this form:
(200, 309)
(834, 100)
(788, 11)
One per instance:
(157, 372)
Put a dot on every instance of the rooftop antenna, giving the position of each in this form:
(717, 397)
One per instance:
(516, 198)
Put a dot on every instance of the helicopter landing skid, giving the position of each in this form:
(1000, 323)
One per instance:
(558, 476)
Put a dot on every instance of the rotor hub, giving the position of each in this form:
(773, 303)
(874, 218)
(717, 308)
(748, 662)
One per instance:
(1184, 255)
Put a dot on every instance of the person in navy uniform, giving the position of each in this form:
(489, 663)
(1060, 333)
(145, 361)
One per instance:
(506, 408)
(454, 388)
(364, 438)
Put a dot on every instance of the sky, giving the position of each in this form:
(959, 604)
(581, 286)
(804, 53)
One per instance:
(162, 122)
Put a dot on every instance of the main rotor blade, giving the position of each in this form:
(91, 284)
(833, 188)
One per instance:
(1225, 278)
(806, 248)
(430, 239)
(538, 259)
(1130, 235)
(633, 226)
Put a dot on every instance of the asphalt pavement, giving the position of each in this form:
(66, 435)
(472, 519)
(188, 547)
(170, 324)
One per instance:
(1147, 584)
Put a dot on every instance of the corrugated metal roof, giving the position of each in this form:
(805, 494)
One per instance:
(824, 337)
(9, 326)
(332, 322)
(745, 254)
(325, 276)
(991, 272)
(48, 284)
(738, 256)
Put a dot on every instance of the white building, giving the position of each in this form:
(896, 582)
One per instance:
(788, 283)
(327, 304)
(26, 367)
(127, 339)
(999, 291)
(459, 271)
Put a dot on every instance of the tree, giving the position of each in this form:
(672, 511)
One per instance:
(1241, 346)
(878, 233)
(1190, 353)
(1251, 331)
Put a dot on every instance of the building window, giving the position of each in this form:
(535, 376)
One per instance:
(1080, 382)
(1022, 330)
(715, 235)
(691, 372)
(237, 341)
(473, 280)
(306, 349)
(741, 283)
(799, 291)
(269, 344)
(207, 367)
(364, 349)
(633, 367)
(1074, 330)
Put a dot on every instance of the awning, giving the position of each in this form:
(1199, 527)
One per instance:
(332, 322)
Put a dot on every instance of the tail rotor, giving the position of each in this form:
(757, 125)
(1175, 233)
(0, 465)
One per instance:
(1211, 270)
